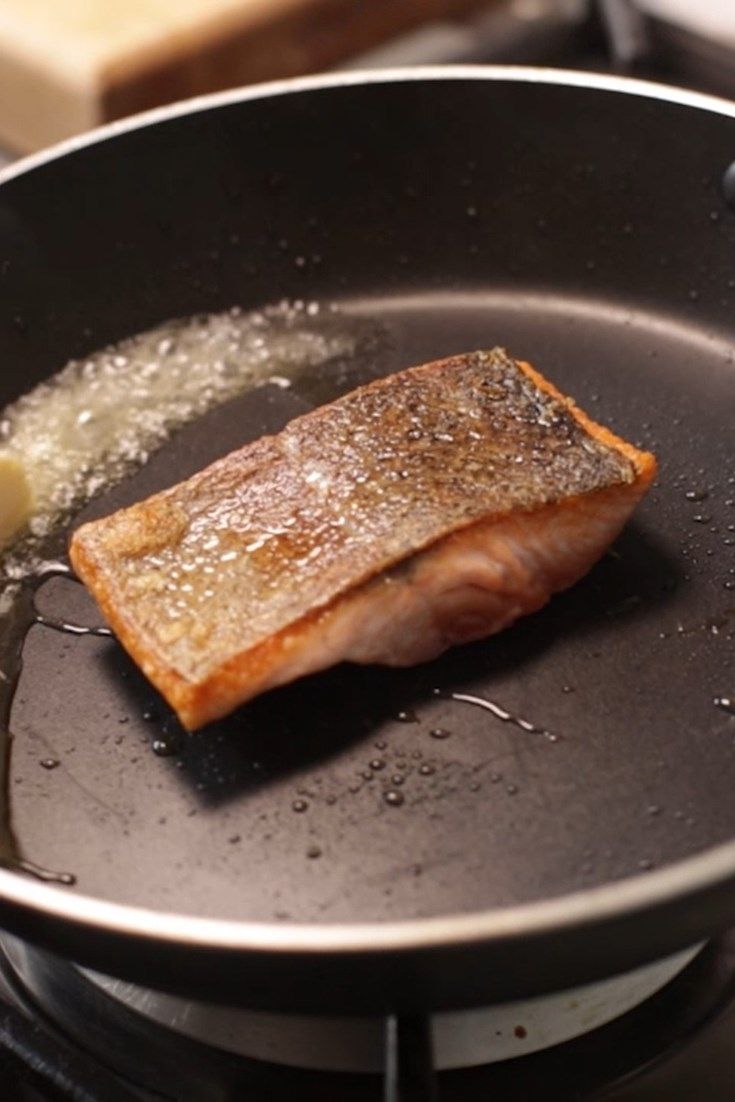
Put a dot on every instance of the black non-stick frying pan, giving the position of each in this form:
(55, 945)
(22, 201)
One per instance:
(579, 221)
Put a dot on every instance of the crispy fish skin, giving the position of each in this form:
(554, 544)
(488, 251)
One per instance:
(430, 507)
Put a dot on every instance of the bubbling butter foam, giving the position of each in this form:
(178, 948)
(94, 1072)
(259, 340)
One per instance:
(101, 417)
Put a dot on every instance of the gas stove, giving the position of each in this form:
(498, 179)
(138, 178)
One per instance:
(70, 1034)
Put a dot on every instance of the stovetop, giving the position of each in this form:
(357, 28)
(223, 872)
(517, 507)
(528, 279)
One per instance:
(84, 1046)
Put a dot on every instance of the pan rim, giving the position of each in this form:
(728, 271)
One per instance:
(596, 906)
(528, 74)
(592, 907)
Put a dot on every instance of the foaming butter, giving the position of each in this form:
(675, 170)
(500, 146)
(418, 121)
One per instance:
(99, 418)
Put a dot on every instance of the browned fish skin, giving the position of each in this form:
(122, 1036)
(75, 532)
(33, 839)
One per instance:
(268, 535)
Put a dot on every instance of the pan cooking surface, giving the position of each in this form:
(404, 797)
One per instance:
(372, 794)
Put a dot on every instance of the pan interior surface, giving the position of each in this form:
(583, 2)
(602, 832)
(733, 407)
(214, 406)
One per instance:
(368, 794)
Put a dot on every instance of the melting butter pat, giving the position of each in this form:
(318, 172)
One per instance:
(16, 497)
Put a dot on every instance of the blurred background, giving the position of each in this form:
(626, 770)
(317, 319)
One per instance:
(68, 65)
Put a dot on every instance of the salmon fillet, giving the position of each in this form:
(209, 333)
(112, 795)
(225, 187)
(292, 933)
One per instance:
(429, 508)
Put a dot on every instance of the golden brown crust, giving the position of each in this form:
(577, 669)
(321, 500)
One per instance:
(644, 463)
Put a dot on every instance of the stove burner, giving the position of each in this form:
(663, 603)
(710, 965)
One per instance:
(71, 1010)
(463, 1038)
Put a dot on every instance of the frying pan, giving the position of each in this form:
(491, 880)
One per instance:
(581, 222)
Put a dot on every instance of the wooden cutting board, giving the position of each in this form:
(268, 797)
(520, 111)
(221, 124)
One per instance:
(68, 65)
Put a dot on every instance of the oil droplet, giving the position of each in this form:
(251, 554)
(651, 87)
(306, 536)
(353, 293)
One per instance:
(426, 769)
(299, 806)
(653, 809)
(367, 775)
(395, 799)
(407, 717)
(696, 495)
(313, 852)
(511, 789)
(50, 763)
(645, 863)
(47, 875)
(397, 779)
(499, 713)
(68, 628)
(701, 518)
(377, 764)
(381, 744)
(567, 688)
(474, 786)
(439, 732)
(725, 703)
(495, 778)
(166, 747)
(150, 715)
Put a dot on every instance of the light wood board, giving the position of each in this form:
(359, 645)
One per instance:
(68, 65)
